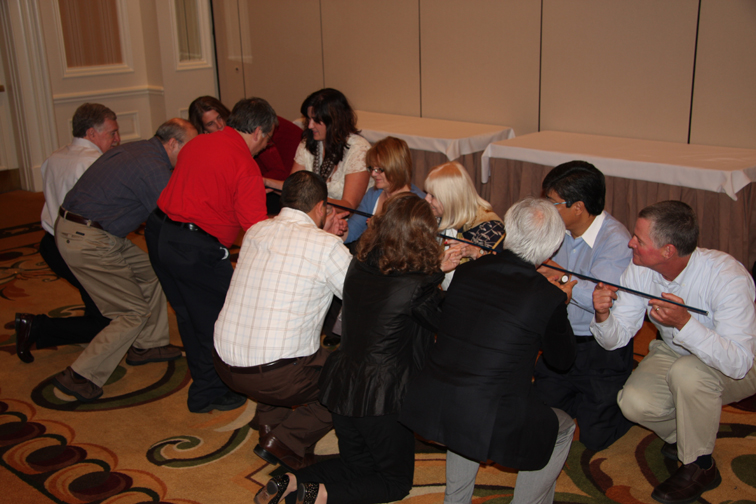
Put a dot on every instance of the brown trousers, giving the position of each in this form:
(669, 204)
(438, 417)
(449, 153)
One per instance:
(287, 397)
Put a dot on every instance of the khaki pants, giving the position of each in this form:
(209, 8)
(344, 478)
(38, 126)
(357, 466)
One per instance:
(118, 276)
(680, 398)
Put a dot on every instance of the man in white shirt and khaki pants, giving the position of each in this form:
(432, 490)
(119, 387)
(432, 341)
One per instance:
(701, 362)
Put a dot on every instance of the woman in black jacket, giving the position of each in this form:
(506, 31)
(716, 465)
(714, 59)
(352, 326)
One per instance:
(391, 306)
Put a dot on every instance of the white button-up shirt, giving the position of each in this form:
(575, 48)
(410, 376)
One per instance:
(285, 279)
(713, 281)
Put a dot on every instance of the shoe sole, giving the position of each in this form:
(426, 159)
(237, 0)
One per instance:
(78, 396)
(269, 494)
(711, 486)
(150, 361)
(269, 457)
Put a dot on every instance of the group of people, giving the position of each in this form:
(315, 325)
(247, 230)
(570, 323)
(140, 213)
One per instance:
(438, 336)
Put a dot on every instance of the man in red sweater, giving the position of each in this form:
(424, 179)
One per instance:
(215, 191)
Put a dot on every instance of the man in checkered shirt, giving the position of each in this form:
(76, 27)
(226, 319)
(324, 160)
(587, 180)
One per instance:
(267, 337)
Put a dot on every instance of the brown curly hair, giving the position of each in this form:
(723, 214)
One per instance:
(403, 238)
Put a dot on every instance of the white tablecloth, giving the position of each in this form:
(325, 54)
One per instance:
(717, 169)
(452, 138)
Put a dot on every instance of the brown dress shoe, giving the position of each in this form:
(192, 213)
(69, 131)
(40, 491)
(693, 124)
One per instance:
(138, 356)
(687, 484)
(24, 340)
(274, 451)
(79, 387)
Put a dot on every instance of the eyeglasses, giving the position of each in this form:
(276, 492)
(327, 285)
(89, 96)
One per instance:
(562, 203)
(374, 169)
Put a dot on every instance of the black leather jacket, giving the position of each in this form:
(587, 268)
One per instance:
(389, 323)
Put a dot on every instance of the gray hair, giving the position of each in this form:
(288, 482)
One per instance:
(672, 222)
(90, 115)
(534, 230)
(175, 128)
(252, 113)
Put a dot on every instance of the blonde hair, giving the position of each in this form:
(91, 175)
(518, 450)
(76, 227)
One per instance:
(452, 186)
(393, 156)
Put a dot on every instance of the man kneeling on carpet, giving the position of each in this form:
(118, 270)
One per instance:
(701, 362)
(267, 336)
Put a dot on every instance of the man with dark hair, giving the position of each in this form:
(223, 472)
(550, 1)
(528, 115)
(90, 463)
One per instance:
(216, 191)
(595, 244)
(701, 362)
(95, 132)
(267, 337)
(113, 197)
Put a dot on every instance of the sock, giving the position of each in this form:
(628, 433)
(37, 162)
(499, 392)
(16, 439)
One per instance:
(704, 461)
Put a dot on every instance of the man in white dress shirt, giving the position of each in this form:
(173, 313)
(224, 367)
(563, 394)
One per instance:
(267, 337)
(701, 362)
(95, 131)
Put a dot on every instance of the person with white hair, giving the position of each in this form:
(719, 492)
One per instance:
(475, 394)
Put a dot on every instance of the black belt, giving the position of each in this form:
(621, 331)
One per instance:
(584, 339)
(185, 225)
(261, 368)
(78, 219)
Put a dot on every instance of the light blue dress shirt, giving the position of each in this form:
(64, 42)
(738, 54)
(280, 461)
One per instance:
(602, 253)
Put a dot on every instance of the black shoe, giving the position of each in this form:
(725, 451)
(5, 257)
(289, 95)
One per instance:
(307, 493)
(669, 450)
(331, 341)
(24, 338)
(227, 402)
(687, 484)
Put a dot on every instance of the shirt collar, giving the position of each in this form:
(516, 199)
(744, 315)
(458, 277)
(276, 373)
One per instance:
(296, 215)
(83, 142)
(592, 232)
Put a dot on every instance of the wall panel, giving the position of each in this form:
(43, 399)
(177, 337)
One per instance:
(618, 68)
(724, 102)
(480, 61)
(371, 53)
(282, 55)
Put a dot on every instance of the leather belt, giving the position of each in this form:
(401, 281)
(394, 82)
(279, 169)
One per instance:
(261, 368)
(78, 219)
(184, 225)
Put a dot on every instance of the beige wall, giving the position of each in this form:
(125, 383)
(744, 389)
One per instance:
(618, 68)
(724, 105)
(591, 66)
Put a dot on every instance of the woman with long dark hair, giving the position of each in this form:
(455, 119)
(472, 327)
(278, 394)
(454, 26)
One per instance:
(391, 298)
(332, 147)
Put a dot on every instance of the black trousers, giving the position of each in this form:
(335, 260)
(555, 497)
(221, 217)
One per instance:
(195, 272)
(53, 331)
(588, 391)
(376, 463)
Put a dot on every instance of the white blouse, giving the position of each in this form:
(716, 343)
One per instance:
(353, 162)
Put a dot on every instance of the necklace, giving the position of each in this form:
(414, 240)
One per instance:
(326, 168)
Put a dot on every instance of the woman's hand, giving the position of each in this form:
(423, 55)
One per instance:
(451, 258)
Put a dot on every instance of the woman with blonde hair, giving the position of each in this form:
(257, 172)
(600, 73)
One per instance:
(461, 212)
(390, 164)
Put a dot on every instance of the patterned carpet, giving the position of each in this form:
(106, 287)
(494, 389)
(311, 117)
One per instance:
(139, 443)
